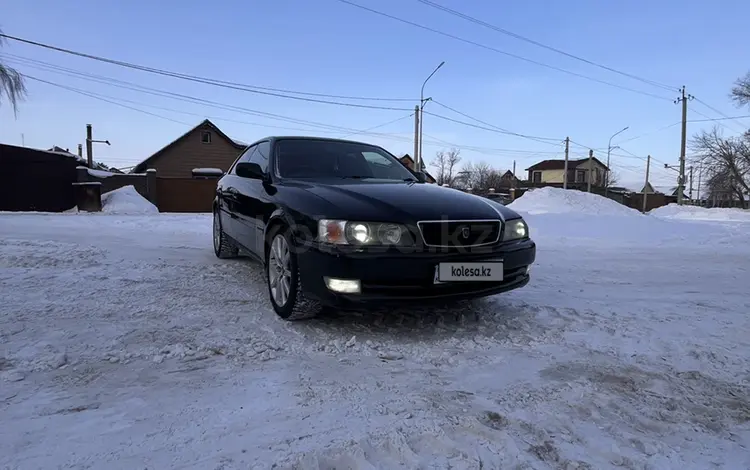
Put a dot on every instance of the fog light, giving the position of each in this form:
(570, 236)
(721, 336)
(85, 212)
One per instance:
(343, 286)
(528, 269)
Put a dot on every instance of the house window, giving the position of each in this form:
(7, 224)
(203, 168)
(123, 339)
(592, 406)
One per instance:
(536, 177)
(580, 176)
(205, 137)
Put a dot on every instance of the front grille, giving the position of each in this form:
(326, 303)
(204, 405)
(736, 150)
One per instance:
(460, 233)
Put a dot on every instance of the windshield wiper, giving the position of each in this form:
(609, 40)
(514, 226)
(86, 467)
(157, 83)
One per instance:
(410, 179)
(355, 177)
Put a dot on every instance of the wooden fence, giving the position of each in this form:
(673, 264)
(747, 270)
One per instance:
(185, 194)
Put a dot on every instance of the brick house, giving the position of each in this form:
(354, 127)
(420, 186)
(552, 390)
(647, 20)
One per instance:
(409, 163)
(553, 171)
(204, 146)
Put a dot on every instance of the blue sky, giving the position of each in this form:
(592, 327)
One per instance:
(329, 47)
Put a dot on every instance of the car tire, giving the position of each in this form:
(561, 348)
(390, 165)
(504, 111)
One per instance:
(223, 247)
(282, 273)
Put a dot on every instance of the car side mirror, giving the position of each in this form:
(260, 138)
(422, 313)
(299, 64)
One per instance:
(421, 176)
(249, 170)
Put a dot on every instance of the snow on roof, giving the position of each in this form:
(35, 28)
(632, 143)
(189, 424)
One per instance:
(99, 173)
(209, 171)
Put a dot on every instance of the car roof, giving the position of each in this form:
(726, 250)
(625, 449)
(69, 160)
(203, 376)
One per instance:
(304, 137)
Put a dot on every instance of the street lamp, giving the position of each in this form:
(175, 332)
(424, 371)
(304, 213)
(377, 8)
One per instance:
(609, 149)
(422, 102)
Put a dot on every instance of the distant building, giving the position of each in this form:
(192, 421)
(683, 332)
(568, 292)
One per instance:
(553, 172)
(203, 146)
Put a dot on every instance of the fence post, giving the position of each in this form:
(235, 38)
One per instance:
(82, 174)
(151, 186)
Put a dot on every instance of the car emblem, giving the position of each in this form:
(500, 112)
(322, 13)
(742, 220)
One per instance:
(465, 232)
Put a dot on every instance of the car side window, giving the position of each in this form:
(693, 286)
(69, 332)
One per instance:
(377, 159)
(261, 155)
(245, 157)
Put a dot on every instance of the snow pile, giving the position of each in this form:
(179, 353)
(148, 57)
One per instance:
(126, 200)
(719, 214)
(558, 216)
(560, 201)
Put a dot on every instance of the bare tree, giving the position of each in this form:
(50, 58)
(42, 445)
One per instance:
(11, 84)
(741, 90)
(727, 161)
(613, 178)
(446, 162)
(480, 177)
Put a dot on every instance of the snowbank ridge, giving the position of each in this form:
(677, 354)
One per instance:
(559, 201)
(674, 211)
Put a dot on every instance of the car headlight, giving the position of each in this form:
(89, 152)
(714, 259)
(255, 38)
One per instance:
(345, 232)
(515, 229)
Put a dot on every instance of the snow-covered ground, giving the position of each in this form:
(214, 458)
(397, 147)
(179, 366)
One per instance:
(124, 343)
(673, 211)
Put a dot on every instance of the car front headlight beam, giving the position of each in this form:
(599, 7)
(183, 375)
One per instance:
(515, 229)
(346, 232)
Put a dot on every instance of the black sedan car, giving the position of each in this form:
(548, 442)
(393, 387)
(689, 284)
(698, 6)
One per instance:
(345, 224)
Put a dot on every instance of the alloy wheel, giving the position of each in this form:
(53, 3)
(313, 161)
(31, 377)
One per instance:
(217, 232)
(279, 270)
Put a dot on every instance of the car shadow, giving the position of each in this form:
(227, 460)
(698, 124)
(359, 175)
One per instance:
(498, 316)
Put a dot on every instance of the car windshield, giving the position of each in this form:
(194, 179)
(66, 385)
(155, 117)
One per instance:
(318, 159)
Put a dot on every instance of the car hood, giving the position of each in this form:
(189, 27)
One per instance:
(406, 202)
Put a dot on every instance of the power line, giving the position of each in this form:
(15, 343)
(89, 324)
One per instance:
(198, 79)
(545, 46)
(506, 131)
(187, 98)
(41, 65)
(490, 129)
(499, 51)
(367, 131)
(717, 112)
(92, 95)
(105, 99)
(496, 150)
(630, 139)
(110, 100)
(326, 127)
(720, 119)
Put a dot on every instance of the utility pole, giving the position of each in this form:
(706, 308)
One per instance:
(416, 137)
(690, 193)
(645, 186)
(23, 140)
(681, 179)
(565, 171)
(700, 172)
(422, 101)
(591, 168)
(609, 151)
(513, 181)
(89, 147)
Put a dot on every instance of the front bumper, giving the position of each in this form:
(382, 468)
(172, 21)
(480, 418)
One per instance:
(398, 278)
